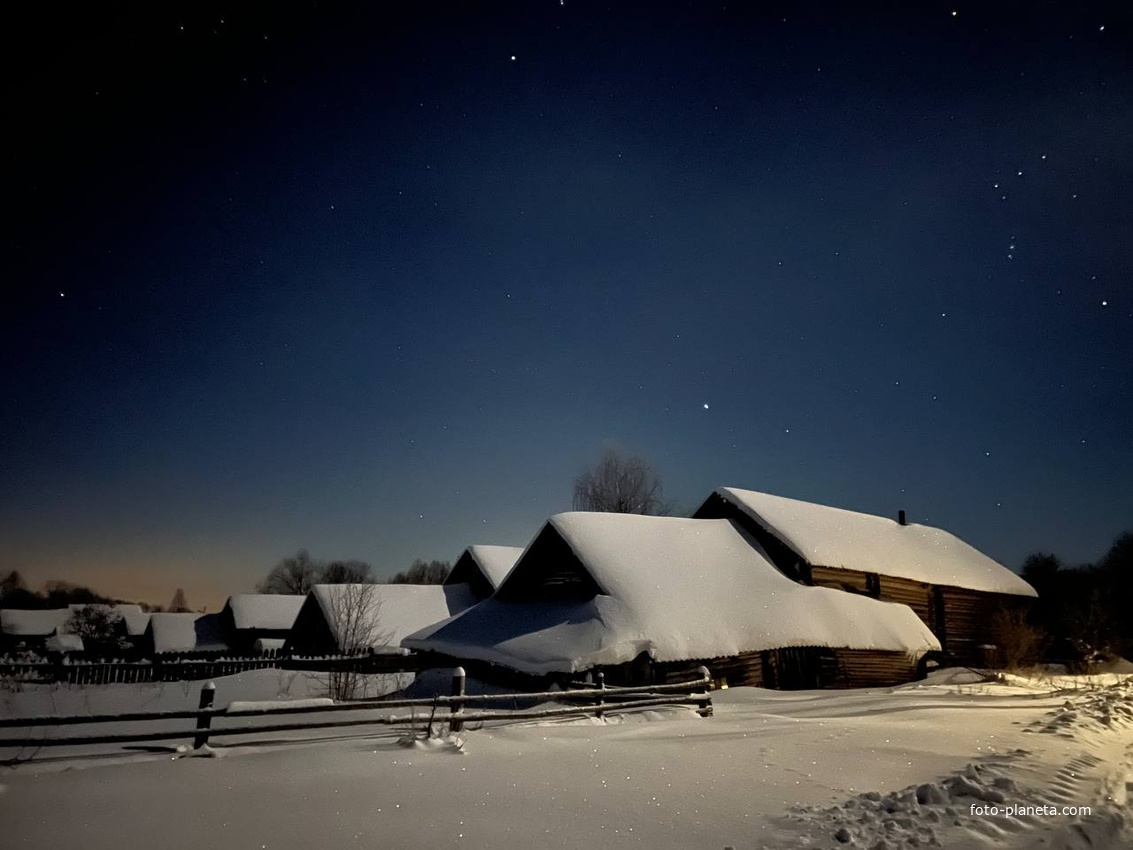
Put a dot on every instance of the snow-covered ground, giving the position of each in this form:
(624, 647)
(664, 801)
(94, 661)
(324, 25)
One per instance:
(885, 768)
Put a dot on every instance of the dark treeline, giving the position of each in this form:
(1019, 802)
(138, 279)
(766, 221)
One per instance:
(14, 593)
(1083, 613)
(422, 572)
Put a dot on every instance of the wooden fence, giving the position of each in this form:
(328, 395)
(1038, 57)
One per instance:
(598, 701)
(190, 668)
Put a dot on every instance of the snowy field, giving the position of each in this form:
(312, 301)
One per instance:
(885, 768)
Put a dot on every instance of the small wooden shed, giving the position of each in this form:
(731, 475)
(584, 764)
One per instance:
(30, 629)
(186, 634)
(483, 568)
(646, 599)
(248, 618)
(954, 588)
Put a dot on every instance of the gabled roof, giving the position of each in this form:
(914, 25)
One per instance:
(677, 589)
(494, 563)
(834, 537)
(389, 612)
(272, 611)
(33, 622)
(185, 632)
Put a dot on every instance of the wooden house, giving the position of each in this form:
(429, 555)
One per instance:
(47, 629)
(251, 620)
(646, 599)
(955, 589)
(336, 618)
(30, 629)
(186, 634)
(483, 568)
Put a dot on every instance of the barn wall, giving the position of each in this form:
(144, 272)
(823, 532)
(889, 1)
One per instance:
(916, 594)
(311, 634)
(549, 571)
(960, 618)
(467, 571)
(867, 668)
(968, 618)
(839, 579)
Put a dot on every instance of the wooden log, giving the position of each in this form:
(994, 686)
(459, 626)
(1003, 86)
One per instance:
(454, 723)
(208, 694)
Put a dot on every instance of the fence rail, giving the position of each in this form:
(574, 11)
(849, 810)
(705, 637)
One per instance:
(598, 700)
(176, 669)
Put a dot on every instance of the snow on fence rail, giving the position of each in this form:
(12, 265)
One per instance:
(601, 700)
(167, 668)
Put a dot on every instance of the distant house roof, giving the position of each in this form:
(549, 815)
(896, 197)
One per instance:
(677, 589)
(33, 623)
(484, 568)
(186, 632)
(834, 537)
(275, 612)
(394, 610)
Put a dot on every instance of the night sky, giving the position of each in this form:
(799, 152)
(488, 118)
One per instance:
(380, 280)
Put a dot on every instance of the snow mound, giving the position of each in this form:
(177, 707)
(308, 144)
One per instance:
(242, 706)
(452, 744)
(1092, 712)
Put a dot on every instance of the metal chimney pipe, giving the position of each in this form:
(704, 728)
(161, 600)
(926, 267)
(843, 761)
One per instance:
(901, 518)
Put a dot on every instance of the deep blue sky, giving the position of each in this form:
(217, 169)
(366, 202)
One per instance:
(381, 280)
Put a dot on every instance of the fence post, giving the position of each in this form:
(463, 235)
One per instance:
(456, 708)
(204, 721)
(704, 706)
(601, 686)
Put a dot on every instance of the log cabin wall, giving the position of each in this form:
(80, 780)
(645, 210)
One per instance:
(867, 668)
(968, 618)
(839, 579)
(960, 618)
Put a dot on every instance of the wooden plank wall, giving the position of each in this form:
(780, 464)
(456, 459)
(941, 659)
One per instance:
(839, 668)
(867, 668)
(838, 579)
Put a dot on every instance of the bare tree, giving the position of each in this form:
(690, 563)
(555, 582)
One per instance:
(354, 615)
(100, 626)
(347, 572)
(620, 484)
(421, 572)
(295, 575)
(179, 604)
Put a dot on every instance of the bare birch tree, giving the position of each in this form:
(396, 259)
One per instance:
(354, 615)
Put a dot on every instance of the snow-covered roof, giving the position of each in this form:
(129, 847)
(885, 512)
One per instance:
(33, 623)
(677, 589)
(186, 632)
(835, 537)
(495, 562)
(389, 611)
(265, 610)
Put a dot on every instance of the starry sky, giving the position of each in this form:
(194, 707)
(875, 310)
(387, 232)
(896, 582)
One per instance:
(380, 280)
